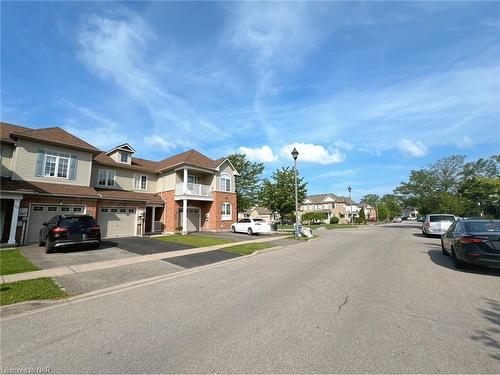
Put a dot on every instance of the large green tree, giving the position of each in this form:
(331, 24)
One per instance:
(451, 185)
(278, 193)
(371, 199)
(248, 183)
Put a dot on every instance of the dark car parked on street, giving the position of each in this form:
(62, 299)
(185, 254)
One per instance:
(473, 242)
(63, 230)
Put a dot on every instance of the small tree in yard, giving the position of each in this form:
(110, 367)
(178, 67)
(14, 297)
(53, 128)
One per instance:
(314, 216)
(278, 193)
(248, 183)
(334, 220)
(362, 217)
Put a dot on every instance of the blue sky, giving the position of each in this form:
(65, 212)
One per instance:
(365, 91)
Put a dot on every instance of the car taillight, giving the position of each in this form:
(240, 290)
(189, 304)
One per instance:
(95, 227)
(59, 230)
(467, 239)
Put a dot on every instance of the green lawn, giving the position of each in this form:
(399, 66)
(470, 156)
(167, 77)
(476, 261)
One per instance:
(248, 248)
(12, 261)
(194, 240)
(27, 290)
(316, 226)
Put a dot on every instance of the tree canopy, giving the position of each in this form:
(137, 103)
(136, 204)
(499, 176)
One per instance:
(278, 193)
(248, 183)
(451, 185)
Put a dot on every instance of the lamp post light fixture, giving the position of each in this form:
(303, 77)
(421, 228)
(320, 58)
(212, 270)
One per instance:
(350, 201)
(295, 155)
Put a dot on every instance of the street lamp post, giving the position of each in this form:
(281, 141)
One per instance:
(350, 200)
(295, 155)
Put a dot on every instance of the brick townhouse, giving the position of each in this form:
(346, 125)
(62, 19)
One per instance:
(329, 204)
(49, 171)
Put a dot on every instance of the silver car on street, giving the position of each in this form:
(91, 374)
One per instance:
(437, 224)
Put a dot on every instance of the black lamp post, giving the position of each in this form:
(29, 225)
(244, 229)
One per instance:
(350, 200)
(295, 155)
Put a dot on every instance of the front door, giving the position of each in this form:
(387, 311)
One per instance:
(149, 219)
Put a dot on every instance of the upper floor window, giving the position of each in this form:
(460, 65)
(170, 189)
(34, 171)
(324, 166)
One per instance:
(225, 182)
(140, 182)
(106, 178)
(56, 165)
(124, 157)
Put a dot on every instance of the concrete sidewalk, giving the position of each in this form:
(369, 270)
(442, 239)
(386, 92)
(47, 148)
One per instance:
(79, 268)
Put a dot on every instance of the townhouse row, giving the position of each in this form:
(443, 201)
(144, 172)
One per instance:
(48, 171)
(344, 208)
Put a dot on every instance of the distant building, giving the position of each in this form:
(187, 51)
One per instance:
(410, 212)
(329, 204)
(260, 213)
(370, 211)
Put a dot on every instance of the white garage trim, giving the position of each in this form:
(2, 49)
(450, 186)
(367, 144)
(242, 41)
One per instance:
(55, 212)
(108, 208)
(192, 208)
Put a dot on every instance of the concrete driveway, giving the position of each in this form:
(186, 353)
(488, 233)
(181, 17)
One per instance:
(231, 236)
(110, 249)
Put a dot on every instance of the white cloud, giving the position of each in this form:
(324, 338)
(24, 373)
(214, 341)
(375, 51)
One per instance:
(465, 142)
(261, 154)
(157, 140)
(313, 153)
(343, 144)
(412, 148)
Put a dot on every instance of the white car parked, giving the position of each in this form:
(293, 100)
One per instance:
(251, 226)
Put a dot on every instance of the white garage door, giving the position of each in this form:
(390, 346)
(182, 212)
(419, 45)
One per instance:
(193, 219)
(117, 221)
(41, 213)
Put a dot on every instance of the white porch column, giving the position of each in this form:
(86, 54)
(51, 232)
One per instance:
(13, 222)
(184, 214)
(153, 210)
(185, 182)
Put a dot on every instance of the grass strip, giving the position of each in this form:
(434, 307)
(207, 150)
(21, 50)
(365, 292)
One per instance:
(248, 248)
(12, 261)
(193, 240)
(28, 290)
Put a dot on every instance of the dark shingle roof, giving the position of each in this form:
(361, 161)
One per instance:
(129, 196)
(54, 135)
(318, 198)
(191, 157)
(31, 187)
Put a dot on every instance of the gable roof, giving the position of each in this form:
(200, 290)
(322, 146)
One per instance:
(191, 157)
(135, 164)
(125, 147)
(348, 201)
(319, 198)
(54, 135)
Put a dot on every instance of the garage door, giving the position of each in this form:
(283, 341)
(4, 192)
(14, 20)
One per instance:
(40, 214)
(193, 219)
(117, 221)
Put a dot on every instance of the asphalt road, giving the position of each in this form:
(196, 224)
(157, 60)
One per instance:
(380, 299)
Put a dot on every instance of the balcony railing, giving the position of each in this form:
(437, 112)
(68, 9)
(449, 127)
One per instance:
(194, 189)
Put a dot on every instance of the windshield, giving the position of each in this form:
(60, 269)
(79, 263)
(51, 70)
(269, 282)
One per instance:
(442, 218)
(259, 220)
(483, 226)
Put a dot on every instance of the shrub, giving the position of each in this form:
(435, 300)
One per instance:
(334, 220)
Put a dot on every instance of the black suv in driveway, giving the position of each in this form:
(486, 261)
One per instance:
(63, 230)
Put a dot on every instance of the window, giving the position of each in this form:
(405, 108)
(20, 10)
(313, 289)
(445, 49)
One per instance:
(106, 178)
(52, 208)
(38, 208)
(124, 157)
(123, 210)
(226, 211)
(225, 182)
(193, 179)
(114, 210)
(104, 210)
(77, 209)
(140, 182)
(65, 209)
(131, 210)
(56, 165)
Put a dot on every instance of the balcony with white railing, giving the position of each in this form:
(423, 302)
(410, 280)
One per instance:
(193, 191)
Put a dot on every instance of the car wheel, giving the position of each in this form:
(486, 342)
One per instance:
(49, 248)
(443, 250)
(40, 241)
(233, 229)
(457, 263)
(250, 231)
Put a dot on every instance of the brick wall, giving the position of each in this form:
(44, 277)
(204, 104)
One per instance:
(171, 213)
(216, 222)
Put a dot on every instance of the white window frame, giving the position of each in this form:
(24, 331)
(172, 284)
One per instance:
(58, 156)
(196, 179)
(223, 187)
(108, 173)
(224, 212)
(121, 153)
(138, 182)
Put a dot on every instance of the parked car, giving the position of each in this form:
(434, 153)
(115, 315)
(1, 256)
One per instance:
(63, 230)
(473, 242)
(398, 219)
(436, 224)
(251, 226)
